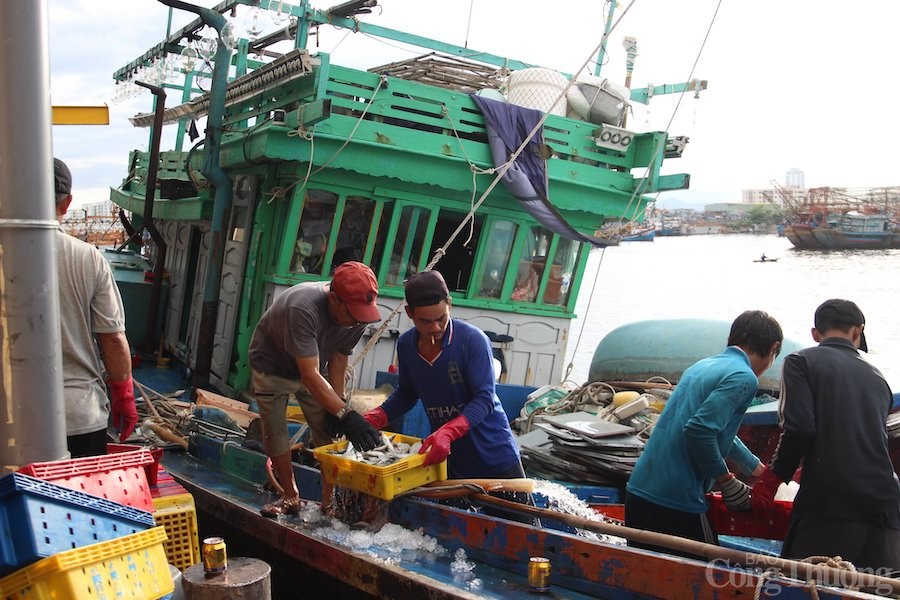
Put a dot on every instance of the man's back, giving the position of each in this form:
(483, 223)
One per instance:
(841, 402)
(89, 303)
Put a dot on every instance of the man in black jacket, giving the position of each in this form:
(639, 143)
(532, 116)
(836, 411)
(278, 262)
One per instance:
(834, 405)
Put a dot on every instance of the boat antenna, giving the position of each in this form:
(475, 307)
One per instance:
(469, 24)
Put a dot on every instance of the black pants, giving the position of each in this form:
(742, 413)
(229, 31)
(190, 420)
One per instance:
(643, 514)
(872, 548)
(87, 444)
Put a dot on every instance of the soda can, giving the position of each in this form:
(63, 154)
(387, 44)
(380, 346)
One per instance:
(214, 558)
(538, 574)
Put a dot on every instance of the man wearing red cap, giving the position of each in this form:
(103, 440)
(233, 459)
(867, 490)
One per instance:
(833, 410)
(311, 329)
(90, 307)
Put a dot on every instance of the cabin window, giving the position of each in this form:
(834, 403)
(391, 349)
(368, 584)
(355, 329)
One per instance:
(381, 236)
(407, 250)
(319, 208)
(531, 266)
(498, 240)
(459, 258)
(354, 231)
(560, 280)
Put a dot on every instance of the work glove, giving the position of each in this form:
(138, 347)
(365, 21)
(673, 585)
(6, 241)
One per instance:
(763, 496)
(123, 411)
(735, 494)
(376, 417)
(360, 432)
(437, 445)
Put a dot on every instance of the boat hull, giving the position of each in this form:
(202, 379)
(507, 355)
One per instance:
(580, 567)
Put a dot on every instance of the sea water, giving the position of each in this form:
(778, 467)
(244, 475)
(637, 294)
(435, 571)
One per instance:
(714, 277)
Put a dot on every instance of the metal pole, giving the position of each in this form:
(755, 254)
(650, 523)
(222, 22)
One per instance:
(149, 343)
(32, 406)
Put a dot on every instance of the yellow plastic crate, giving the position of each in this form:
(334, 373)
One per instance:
(382, 482)
(179, 516)
(132, 567)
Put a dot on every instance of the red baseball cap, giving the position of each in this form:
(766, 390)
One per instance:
(356, 286)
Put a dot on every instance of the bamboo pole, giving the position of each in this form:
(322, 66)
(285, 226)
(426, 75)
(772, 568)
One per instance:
(808, 571)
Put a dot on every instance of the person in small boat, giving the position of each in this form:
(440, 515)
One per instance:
(763, 257)
(309, 329)
(685, 455)
(833, 409)
(90, 308)
(449, 365)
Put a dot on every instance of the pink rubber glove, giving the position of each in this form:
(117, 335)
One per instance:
(437, 445)
(124, 412)
(376, 417)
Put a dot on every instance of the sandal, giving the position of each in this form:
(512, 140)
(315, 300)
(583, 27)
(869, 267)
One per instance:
(282, 506)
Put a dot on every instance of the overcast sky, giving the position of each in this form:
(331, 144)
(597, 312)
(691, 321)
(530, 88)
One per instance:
(792, 83)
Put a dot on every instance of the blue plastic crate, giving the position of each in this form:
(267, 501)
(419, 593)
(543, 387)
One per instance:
(39, 519)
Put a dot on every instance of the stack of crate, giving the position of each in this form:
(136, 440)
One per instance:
(64, 543)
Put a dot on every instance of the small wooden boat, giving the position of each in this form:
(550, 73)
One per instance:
(766, 260)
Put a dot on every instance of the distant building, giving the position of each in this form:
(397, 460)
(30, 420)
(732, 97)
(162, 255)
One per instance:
(794, 179)
(103, 208)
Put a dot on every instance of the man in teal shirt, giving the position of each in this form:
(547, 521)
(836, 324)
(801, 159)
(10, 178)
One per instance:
(685, 455)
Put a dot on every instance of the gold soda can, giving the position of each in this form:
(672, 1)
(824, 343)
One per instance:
(538, 574)
(215, 560)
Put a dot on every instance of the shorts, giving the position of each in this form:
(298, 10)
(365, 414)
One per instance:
(272, 394)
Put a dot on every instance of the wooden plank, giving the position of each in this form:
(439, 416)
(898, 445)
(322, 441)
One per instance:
(236, 410)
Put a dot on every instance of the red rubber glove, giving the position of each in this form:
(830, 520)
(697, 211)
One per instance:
(376, 417)
(437, 445)
(123, 410)
(762, 498)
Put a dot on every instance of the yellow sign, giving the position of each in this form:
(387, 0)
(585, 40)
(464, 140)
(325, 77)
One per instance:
(81, 115)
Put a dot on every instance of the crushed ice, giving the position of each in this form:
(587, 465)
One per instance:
(561, 499)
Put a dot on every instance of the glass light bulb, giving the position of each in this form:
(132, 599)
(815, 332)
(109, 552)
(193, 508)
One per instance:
(228, 36)
(206, 47)
(253, 22)
(188, 59)
(281, 16)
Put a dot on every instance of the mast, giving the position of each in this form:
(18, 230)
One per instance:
(606, 29)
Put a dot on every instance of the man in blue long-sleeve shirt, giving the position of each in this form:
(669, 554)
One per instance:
(448, 364)
(697, 430)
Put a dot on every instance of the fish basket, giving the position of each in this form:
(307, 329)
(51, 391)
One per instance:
(179, 516)
(120, 477)
(382, 482)
(39, 519)
(132, 567)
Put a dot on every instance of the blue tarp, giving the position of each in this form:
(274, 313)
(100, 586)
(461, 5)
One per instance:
(507, 127)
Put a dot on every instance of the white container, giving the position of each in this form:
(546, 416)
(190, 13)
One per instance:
(540, 89)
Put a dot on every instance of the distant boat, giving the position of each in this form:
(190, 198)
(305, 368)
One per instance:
(644, 235)
(855, 231)
(765, 259)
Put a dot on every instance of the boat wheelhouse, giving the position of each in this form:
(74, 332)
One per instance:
(307, 164)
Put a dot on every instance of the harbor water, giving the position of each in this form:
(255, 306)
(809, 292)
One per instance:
(715, 277)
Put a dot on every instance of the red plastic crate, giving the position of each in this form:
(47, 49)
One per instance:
(119, 477)
(152, 469)
(772, 526)
(166, 486)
